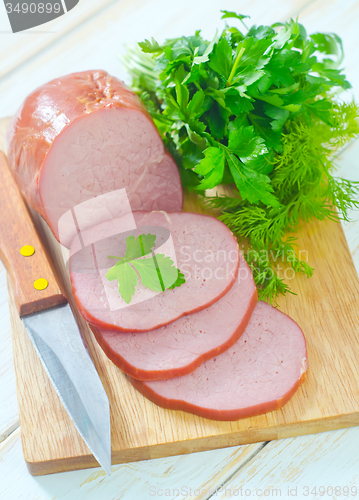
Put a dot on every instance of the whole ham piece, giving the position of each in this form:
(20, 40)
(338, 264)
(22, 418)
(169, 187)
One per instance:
(84, 135)
(258, 374)
(181, 346)
(204, 249)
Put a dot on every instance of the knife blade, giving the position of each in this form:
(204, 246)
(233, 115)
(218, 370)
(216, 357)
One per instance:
(50, 323)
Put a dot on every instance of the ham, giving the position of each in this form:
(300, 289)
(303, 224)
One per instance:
(258, 374)
(181, 346)
(85, 135)
(202, 247)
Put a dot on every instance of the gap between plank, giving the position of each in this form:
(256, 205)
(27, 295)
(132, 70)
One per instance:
(10, 430)
(243, 464)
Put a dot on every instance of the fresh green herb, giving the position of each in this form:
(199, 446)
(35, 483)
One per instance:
(256, 109)
(156, 272)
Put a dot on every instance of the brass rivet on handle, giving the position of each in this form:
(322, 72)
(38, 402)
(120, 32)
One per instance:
(41, 284)
(27, 250)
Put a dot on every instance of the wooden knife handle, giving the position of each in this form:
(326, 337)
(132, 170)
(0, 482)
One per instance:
(16, 230)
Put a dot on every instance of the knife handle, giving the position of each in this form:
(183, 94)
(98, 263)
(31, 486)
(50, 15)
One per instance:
(16, 230)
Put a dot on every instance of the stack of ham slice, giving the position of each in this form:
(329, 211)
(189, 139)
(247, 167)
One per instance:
(207, 347)
(87, 156)
(259, 373)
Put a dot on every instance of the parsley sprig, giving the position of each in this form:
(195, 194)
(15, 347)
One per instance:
(157, 272)
(256, 109)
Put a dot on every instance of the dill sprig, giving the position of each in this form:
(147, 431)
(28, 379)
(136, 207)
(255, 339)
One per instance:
(303, 180)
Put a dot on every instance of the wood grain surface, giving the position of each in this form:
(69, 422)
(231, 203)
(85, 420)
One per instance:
(324, 465)
(325, 308)
(192, 475)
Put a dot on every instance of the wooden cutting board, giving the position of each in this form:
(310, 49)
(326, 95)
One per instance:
(326, 307)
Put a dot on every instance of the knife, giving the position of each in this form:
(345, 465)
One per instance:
(50, 323)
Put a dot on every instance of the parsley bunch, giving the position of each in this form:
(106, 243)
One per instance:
(255, 109)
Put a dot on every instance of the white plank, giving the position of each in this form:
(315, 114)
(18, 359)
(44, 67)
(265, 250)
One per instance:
(130, 481)
(17, 48)
(9, 419)
(96, 44)
(328, 459)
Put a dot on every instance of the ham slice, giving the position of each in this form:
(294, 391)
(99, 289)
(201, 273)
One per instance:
(84, 135)
(181, 346)
(258, 374)
(202, 247)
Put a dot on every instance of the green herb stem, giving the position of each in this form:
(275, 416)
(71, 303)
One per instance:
(235, 66)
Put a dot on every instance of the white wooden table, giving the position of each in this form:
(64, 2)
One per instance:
(91, 36)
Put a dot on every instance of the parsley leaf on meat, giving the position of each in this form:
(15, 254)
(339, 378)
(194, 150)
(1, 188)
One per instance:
(157, 272)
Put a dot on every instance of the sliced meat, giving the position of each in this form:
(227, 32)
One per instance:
(202, 247)
(84, 135)
(258, 374)
(181, 346)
